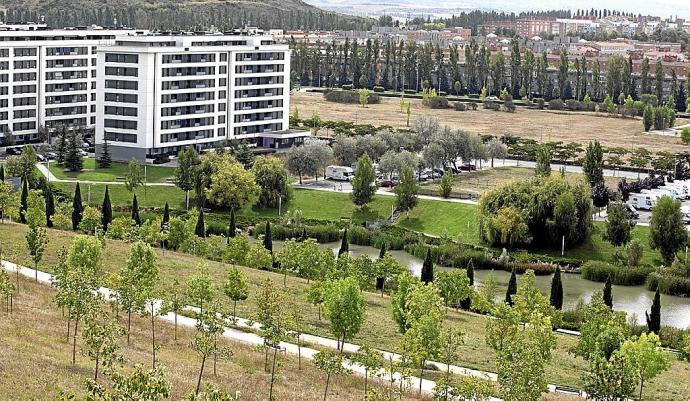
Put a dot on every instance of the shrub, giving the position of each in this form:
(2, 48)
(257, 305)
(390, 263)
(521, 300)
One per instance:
(435, 102)
(347, 87)
(685, 136)
(491, 105)
(215, 227)
(410, 91)
(121, 228)
(669, 284)
(379, 89)
(472, 106)
(539, 102)
(349, 97)
(321, 233)
(620, 275)
(575, 105)
(460, 106)
(556, 104)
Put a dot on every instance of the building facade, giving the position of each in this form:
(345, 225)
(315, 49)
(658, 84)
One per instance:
(158, 94)
(48, 78)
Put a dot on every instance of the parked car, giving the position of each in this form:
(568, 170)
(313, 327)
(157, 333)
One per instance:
(14, 151)
(51, 155)
(83, 153)
(386, 183)
(40, 157)
(340, 173)
(632, 212)
(468, 167)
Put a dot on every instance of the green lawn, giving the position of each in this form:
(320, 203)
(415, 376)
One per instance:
(120, 197)
(115, 172)
(444, 219)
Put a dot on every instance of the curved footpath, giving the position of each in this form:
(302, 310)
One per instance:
(306, 352)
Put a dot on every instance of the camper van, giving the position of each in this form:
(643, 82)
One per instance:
(340, 173)
(673, 191)
(642, 201)
(682, 188)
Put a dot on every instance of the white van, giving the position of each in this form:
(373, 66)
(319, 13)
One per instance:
(674, 192)
(682, 188)
(340, 173)
(642, 201)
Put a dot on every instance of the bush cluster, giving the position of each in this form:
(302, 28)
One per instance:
(322, 233)
(349, 96)
(669, 284)
(620, 275)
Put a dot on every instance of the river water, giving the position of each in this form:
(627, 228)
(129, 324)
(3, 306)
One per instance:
(635, 300)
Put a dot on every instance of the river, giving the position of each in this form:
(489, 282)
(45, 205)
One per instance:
(635, 300)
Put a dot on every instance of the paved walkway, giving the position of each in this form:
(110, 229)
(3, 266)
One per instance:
(306, 352)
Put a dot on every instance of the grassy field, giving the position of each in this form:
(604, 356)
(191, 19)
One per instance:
(36, 359)
(478, 182)
(116, 172)
(540, 125)
(379, 328)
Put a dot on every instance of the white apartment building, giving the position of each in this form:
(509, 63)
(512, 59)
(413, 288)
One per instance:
(157, 94)
(48, 78)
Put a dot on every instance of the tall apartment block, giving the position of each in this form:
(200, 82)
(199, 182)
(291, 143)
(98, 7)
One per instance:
(48, 78)
(157, 94)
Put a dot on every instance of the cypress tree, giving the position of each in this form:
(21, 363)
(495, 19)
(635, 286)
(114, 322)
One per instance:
(50, 206)
(232, 228)
(105, 160)
(2, 172)
(427, 275)
(135, 210)
(77, 208)
(512, 288)
(380, 280)
(344, 245)
(654, 317)
(557, 290)
(200, 229)
(106, 210)
(608, 296)
(304, 234)
(268, 238)
(467, 302)
(166, 216)
(24, 205)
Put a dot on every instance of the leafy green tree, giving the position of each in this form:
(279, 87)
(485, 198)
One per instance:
(73, 160)
(134, 177)
(369, 358)
(453, 286)
(306, 259)
(427, 274)
(593, 163)
(258, 257)
(331, 363)
(77, 208)
(272, 179)
(543, 167)
(100, 342)
(274, 319)
(634, 252)
(529, 299)
(345, 309)
(138, 384)
(406, 284)
(387, 268)
(647, 357)
(7, 290)
(667, 231)
(556, 298)
(209, 328)
(685, 136)
(8, 200)
(106, 210)
(446, 186)
(200, 287)
(231, 185)
(187, 163)
(619, 225)
(449, 351)
(654, 317)
(363, 187)
(36, 241)
(175, 303)
(236, 287)
(316, 294)
(406, 191)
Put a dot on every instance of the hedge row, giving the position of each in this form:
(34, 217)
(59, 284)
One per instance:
(669, 284)
(620, 275)
(322, 233)
(349, 96)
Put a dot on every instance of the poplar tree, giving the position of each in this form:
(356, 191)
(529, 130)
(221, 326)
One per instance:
(268, 238)
(608, 296)
(427, 274)
(232, 228)
(135, 210)
(106, 210)
(200, 228)
(50, 205)
(512, 288)
(23, 203)
(556, 298)
(654, 316)
(344, 245)
(77, 208)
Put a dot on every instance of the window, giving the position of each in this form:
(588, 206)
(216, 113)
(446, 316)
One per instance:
(4, 52)
(26, 64)
(66, 51)
(122, 71)
(121, 58)
(120, 98)
(25, 52)
(224, 57)
(222, 82)
(120, 111)
(25, 126)
(24, 101)
(24, 113)
(118, 84)
(121, 124)
(120, 137)
(222, 94)
(223, 69)
(19, 89)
